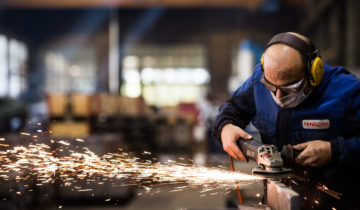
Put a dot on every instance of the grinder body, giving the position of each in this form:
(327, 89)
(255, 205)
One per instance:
(269, 160)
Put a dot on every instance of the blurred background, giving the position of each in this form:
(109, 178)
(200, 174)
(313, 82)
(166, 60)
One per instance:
(144, 75)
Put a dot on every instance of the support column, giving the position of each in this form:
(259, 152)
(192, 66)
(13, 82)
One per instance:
(219, 63)
(352, 35)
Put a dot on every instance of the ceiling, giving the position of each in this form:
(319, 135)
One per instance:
(251, 4)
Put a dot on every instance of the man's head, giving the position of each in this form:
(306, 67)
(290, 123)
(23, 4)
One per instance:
(285, 66)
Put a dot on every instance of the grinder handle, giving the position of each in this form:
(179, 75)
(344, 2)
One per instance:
(249, 148)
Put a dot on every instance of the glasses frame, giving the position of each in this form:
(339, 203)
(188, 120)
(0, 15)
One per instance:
(290, 88)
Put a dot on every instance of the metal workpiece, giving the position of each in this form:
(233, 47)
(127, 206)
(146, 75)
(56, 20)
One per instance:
(280, 197)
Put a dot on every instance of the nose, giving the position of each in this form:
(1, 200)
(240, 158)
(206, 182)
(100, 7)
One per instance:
(279, 94)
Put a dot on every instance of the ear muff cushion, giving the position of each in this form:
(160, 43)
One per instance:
(262, 62)
(317, 72)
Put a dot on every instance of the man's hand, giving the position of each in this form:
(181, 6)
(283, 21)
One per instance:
(229, 135)
(315, 153)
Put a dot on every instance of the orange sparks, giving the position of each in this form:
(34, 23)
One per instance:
(38, 160)
(329, 192)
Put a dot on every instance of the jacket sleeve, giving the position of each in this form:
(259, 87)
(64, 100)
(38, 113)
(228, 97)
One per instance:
(239, 109)
(347, 146)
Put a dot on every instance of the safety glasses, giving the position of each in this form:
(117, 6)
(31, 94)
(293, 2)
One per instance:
(291, 88)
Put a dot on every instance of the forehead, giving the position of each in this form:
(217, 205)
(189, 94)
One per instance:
(285, 74)
(282, 64)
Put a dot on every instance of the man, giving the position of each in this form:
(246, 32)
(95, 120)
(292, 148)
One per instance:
(294, 98)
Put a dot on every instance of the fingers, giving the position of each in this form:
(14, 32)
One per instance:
(233, 132)
(301, 146)
(300, 159)
(304, 155)
(238, 152)
(233, 150)
(314, 153)
(305, 159)
(229, 135)
(310, 162)
(232, 154)
(318, 153)
(243, 134)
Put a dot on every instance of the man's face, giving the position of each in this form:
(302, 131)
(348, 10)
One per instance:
(282, 68)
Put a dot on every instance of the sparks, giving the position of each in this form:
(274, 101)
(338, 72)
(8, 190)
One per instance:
(38, 160)
(326, 190)
(85, 190)
(63, 143)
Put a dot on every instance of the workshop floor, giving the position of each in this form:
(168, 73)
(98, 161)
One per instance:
(188, 199)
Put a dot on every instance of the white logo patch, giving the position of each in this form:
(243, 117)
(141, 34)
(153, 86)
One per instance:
(316, 124)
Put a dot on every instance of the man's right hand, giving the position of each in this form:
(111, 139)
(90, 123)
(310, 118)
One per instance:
(229, 135)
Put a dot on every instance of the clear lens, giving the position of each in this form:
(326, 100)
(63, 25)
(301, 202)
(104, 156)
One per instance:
(286, 89)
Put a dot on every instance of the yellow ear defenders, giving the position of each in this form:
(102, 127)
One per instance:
(317, 71)
(313, 62)
(262, 62)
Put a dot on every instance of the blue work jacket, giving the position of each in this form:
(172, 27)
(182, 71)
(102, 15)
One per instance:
(330, 113)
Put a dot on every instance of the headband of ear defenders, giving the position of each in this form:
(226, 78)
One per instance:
(309, 51)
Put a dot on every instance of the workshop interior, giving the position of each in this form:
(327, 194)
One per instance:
(111, 104)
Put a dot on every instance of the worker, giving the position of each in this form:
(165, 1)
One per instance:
(293, 97)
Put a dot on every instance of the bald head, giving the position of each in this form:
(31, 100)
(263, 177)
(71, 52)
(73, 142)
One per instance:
(282, 64)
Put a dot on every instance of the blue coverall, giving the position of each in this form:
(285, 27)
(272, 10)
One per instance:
(330, 113)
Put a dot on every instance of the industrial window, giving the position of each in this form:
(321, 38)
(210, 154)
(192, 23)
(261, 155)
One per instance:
(13, 58)
(70, 69)
(3, 67)
(165, 76)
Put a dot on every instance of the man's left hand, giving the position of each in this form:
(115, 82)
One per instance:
(314, 153)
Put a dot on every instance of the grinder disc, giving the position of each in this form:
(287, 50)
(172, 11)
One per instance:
(282, 173)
